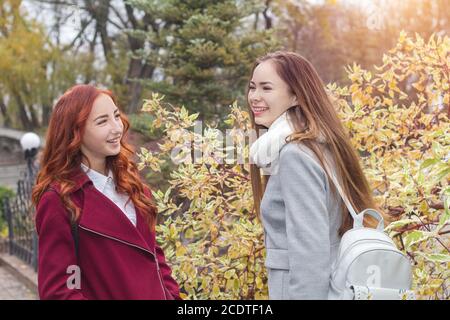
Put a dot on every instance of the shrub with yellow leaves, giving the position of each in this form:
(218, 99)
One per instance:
(397, 119)
(210, 232)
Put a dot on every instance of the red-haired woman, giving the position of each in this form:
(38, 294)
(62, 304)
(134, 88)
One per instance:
(94, 216)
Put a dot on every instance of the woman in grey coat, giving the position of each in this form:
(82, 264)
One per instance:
(302, 214)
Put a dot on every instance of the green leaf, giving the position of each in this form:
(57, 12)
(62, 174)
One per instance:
(416, 236)
(446, 215)
(229, 274)
(216, 289)
(446, 191)
(443, 173)
(166, 196)
(229, 285)
(399, 223)
(436, 257)
(236, 284)
(189, 234)
(194, 116)
(229, 121)
(429, 162)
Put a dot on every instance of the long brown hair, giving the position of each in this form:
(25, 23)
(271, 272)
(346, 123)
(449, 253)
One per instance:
(315, 115)
(62, 155)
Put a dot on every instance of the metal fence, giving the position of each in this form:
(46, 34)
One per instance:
(19, 215)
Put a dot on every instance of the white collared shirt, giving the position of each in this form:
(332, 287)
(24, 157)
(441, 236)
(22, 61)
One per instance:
(106, 185)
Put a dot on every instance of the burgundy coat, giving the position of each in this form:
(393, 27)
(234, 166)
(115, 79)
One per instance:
(117, 260)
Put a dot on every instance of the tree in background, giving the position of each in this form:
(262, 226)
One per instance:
(206, 52)
(101, 27)
(334, 33)
(143, 42)
(22, 66)
(413, 16)
(33, 70)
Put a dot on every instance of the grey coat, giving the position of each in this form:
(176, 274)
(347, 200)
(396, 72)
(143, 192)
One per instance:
(301, 219)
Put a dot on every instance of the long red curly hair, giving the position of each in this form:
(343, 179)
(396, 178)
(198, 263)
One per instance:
(62, 156)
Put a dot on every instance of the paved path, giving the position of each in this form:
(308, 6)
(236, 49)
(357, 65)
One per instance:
(12, 289)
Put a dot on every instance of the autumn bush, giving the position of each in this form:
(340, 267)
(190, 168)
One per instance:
(397, 118)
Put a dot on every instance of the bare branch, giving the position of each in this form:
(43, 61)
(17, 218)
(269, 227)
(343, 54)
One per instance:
(79, 34)
(117, 13)
(63, 3)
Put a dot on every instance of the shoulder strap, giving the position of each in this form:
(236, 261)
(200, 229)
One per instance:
(357, 218)
(341, 192)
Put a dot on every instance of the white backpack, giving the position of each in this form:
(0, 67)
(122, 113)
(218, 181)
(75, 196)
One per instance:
(368, 265)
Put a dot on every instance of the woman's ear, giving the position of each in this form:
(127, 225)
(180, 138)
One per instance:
(294, 100)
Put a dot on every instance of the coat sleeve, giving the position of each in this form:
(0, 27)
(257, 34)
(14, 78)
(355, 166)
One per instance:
(304, 193)
(166, 272)
(57, 257)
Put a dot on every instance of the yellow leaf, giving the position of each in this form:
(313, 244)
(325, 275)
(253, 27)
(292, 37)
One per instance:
(259, 283)
(183, 296)
(216, 289)
(181, 250)
(189, 234)
(418, 86)
(230, 284)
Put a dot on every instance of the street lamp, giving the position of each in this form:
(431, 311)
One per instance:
(30, 143)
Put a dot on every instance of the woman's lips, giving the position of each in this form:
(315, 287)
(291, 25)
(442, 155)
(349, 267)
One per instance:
(259, 110)
(114, 141)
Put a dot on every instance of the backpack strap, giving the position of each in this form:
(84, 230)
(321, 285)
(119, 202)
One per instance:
(357, 218)
(74, 227)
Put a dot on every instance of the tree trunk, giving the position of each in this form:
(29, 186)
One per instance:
(137, 70)
(34, 118)
(100, 11)
(46, 112)
(267, 18)
(6, 117)
(24, 119)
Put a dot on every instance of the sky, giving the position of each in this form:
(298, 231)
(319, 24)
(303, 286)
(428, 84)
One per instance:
(70, 28)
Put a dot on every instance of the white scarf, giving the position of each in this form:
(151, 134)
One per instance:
(265, 151)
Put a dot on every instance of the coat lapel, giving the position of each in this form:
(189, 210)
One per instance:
(102, 216)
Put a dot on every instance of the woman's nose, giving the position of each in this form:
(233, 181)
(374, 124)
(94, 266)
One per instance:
(254, 96)
(117, 126)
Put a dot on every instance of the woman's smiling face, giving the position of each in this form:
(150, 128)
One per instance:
(103, 131)
(268, 96)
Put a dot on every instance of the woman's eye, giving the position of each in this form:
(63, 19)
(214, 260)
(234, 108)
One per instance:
(118, 115)
(267, 88)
